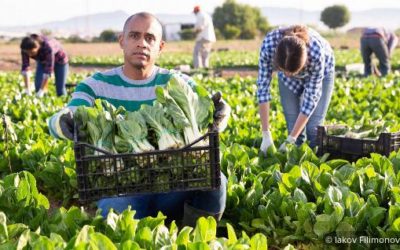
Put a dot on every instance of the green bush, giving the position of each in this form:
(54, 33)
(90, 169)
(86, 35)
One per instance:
(75, 39)
(335, 16)
(187, 34)
(247, 19)
(108, 36)
(231, 32)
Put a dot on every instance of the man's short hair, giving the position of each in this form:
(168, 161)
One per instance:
(145, 15)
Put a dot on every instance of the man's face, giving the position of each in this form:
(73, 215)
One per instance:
(141, 42)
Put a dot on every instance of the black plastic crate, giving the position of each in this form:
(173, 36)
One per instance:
(101, 174)
(353, 149)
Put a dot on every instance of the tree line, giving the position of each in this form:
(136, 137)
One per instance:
(233, 20)
(242, 21)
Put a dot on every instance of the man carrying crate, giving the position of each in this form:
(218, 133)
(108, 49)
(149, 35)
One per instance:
(130, 86)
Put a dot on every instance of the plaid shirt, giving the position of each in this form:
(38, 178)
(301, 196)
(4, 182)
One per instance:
(308, 82)
(50, 52)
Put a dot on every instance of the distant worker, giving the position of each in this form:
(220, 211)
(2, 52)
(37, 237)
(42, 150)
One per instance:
(50, 57)
(380, 42)
(205, 37)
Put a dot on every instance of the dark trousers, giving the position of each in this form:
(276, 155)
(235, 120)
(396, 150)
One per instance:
(170, 204)
(377, 46)
(60, 75)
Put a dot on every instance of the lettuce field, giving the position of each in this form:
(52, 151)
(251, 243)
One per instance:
(221, 59)
(292, 200)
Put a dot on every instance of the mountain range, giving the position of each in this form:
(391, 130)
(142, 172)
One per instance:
(92, 25)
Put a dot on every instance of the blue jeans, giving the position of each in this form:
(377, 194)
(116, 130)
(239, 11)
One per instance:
(377, 46)
(170, 204)
(60, 74)
(291, 104)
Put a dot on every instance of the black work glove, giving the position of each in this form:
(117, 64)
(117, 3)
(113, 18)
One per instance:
(222, 112)
(66, 124)
(62, 126)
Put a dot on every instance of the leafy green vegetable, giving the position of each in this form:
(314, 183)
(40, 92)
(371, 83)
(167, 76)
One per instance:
(167, 136)
(132, 133)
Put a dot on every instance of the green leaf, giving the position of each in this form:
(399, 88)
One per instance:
(289, 247)
(14, 230)
(344, 229)
(264, 212)
(299, 196)
(370, 172)
(198, 246)
(259, 223)
(205, 230)
(3, 228)
(352, 203)
(394, 213)
(337, 163)
(375, 215)
(173, 229)
(42, 243)
(101, 242)
(323, 225)
(305, 211)
(129, 245)
(144, 237)
(112, 220)
(334, 194)
(338, 212)
(23, 192)
(56, 238)
(325, 179)
(151, 222)
(184, 236)
(395, 226)
(161, 237)
(83, 235)
(231, 234)
(252, 196)
(258, 242)
(23, 239)
(217, 244)
(129, 233)
(42, 201)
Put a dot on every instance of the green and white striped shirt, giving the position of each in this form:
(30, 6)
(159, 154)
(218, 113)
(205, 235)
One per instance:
(118, 90)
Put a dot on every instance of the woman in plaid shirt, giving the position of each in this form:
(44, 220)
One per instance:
(305, 63)
(49, 56)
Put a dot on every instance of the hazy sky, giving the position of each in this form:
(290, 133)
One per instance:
(29, 12)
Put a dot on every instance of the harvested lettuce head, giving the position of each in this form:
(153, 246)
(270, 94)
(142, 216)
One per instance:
(190, 110)
(167, 135)
(132, 134)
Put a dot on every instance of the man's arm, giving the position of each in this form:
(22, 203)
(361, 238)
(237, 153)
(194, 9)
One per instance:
(265, 71)
(392, 43)
(25, 71)
(61, 124)
(312, 92)
(200, 24)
